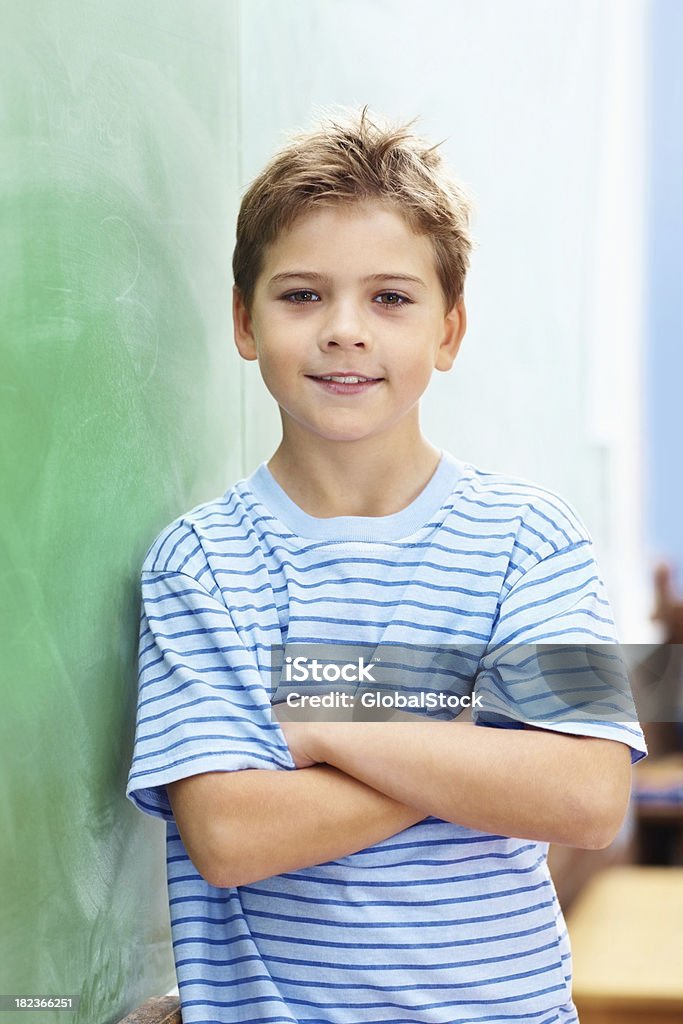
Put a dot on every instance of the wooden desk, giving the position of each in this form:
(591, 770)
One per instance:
(626, 931)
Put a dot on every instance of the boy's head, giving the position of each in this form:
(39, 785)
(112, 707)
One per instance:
(351, 160)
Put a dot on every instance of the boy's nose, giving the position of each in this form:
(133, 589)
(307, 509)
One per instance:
(346, 327)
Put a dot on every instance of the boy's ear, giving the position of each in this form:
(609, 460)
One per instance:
(243, 330)
(455, 325)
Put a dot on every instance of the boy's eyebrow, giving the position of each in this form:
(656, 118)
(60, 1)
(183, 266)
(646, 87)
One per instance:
(312, 275)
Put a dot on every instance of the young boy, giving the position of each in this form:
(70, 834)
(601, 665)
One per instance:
(352, 872)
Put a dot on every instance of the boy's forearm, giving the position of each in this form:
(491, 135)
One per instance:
(264, 823)
(529, 783)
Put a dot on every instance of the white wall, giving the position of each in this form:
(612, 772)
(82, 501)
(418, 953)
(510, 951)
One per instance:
(540, 106)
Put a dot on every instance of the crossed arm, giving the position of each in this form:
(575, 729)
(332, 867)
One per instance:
(360, 782)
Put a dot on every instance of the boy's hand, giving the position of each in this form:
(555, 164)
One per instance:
(300, 740)
(305, 739)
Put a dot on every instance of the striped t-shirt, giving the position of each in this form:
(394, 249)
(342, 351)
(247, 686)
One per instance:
(439, 924)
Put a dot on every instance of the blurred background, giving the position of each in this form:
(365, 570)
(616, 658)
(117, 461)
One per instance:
(129, 131)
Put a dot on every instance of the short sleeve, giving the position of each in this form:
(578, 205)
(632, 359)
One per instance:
(553, 660)
(203, 704)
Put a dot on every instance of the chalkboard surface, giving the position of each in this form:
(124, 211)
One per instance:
(119, 409)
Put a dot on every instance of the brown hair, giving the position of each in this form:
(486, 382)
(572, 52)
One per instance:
(349, 158)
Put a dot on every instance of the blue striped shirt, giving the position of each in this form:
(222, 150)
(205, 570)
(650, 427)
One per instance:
(439, 924)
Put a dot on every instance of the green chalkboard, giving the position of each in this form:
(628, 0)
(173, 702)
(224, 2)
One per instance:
(119, 409)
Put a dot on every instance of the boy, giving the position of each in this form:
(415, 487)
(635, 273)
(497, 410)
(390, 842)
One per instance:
(365, 871)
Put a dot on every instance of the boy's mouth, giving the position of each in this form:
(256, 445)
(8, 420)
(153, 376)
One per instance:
(346, 378)
(345, 383)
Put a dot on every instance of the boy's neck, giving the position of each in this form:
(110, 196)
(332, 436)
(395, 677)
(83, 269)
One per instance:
(337, 482)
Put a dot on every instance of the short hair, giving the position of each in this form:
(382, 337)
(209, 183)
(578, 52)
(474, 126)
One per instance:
(348, 159)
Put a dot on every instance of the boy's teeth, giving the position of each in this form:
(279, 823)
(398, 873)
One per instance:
(347, 380)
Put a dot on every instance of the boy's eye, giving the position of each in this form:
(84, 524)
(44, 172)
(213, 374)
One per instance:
(393, 299)
(303, 296)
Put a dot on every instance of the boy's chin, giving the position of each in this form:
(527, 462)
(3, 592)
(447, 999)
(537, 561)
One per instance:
(303, 433)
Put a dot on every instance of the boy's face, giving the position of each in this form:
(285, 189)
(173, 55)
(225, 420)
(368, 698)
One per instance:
(349, 291)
